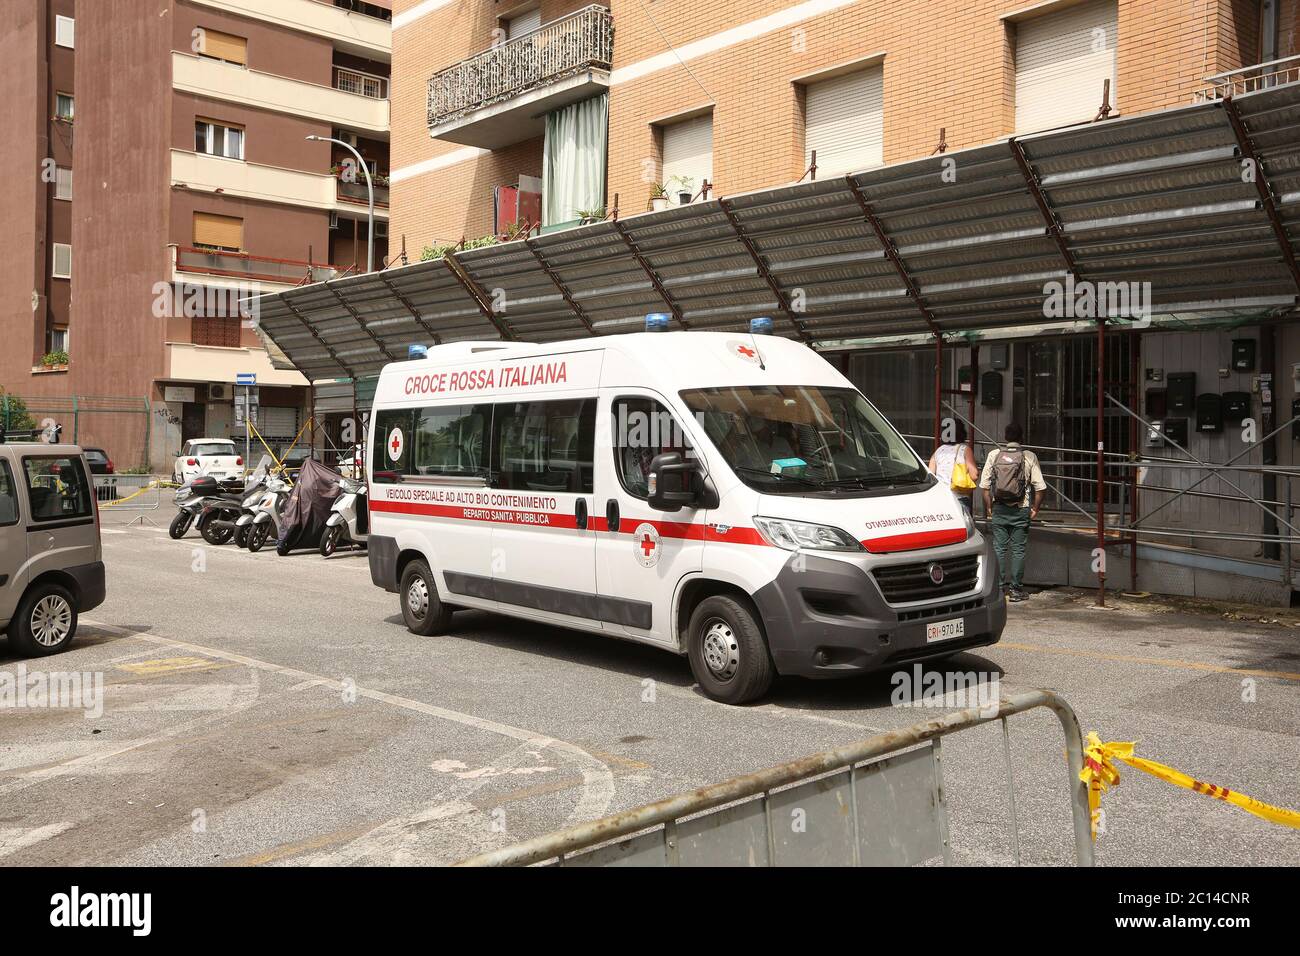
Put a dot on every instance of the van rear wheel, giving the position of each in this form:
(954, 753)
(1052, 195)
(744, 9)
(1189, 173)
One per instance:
(728, 651)
(45, 622)
(422, 609)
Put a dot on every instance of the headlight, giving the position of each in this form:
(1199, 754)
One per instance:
(969, 515)
(252, 499)
(183, 493)
(793, 535)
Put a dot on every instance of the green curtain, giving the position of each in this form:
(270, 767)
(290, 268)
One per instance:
(573, 165)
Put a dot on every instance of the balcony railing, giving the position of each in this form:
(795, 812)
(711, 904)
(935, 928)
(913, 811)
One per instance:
(1248, 79)
(356, 192)
(241, 265)
(566, 46)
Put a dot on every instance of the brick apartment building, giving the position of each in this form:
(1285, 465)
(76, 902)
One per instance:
(740, 92)
(184, 125)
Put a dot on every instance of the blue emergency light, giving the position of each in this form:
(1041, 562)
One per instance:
(417, 351)
(760, 326)
(657, 321)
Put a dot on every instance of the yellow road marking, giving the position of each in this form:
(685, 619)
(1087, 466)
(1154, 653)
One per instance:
(168, 665)
(293, 849)
(1161, 661)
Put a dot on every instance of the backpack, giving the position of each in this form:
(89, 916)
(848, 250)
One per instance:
(1009, 479)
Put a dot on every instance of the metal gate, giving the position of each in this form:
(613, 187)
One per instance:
(887, 812)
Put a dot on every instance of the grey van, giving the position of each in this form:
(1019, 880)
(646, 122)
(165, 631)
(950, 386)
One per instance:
(51, 562)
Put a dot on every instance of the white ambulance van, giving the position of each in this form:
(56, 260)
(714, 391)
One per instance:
(727, 496)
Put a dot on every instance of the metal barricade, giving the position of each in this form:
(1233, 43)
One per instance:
(133, 497)
(890, 812)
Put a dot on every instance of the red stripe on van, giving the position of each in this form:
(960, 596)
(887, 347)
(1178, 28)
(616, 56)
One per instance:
(684, 530)
(915, 540)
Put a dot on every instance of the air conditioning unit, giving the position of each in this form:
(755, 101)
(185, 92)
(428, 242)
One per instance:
(349, 138)
(218, 393)
(381, 229)
(334, 220)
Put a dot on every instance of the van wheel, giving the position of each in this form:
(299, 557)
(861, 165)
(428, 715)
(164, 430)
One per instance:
(728, 651)
(423, 611)
(45, 622)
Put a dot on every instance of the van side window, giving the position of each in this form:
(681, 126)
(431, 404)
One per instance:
(642, 428)
(57, 488)
(8, 496)
(544, 446)
(451, 440)
(437, 440)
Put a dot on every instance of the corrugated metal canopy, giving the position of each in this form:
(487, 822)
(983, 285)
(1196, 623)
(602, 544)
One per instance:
(1200, 201)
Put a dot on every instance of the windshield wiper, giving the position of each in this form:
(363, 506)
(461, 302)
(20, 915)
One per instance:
(874, 481)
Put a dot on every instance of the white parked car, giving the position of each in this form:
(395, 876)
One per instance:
(208, 456)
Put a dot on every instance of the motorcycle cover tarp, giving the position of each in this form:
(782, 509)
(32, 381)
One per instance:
(308, 507)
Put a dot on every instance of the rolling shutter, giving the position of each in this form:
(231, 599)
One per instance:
(223, 232)
(526, 22)
(845, 122)
(688, 153)
(1062, 60)
(224, 46)
(275, 421)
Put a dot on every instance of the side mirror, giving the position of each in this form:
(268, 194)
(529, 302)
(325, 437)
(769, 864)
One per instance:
(670, 483)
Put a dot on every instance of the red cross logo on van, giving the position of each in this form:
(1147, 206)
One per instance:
(645, 541)
(395, 444)
(743, 350)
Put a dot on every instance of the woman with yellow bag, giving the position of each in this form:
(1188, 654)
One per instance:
(953, 463)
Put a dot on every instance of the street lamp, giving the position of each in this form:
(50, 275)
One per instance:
(370, 191)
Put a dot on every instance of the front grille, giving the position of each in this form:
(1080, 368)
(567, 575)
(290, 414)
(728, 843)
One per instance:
(907, 583)
(943, 610)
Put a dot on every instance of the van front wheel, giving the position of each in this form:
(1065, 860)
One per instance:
(728, 651)
(423, 611)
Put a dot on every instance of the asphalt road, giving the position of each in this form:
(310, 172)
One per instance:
(261, 710)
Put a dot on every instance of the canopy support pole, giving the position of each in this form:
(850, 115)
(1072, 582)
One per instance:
(761, 264)
(347, 369)
(356, 316)
(472, 289)
(559, 284)
(406, 303)
(1262, 187)
(653, 276)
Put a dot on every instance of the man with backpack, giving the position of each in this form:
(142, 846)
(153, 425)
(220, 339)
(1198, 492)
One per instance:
(1013, 486)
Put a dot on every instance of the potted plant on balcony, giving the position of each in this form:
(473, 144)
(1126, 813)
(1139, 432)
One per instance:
(588, 216)
(685, 189)
(51, 361)
(658, 197)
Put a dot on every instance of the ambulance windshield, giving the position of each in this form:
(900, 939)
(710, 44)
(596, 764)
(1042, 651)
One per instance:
(790, 438)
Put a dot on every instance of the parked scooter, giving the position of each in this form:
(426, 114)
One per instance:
(227, 523)
(197, 501)
(349, 519)
(267, 514)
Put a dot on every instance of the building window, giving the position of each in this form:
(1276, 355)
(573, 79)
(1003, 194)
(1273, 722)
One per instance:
(58, 340)
(63, 106)
(218, 233)
(223, 46)
(64, 31)
(687, 156)
(62, 183)
(1062, 62)
(520, 23)
(215, 330)
(218, 140)
(844, 122)
(62, 261)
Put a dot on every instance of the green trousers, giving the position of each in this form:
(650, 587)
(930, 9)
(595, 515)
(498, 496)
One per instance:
(1011, 533)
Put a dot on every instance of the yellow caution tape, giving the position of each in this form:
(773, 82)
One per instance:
(1100, 774)
(135, 494)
